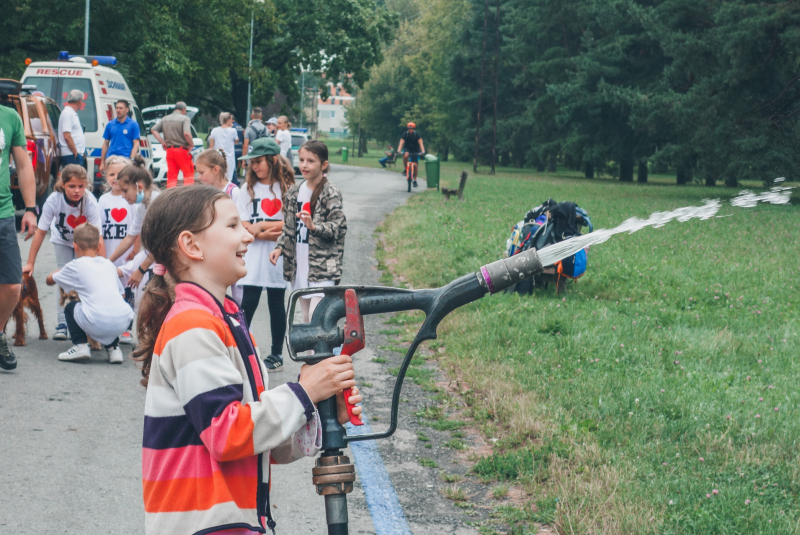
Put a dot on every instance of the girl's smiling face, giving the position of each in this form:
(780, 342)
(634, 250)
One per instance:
(111, 178)
(74, 189)
(207, 175)
(129, 191)
(310, 164)
(224, 244)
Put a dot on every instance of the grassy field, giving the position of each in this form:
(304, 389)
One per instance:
(659, 395)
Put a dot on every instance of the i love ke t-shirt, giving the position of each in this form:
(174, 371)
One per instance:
(264, 205)
(62, 218)
(116, 214)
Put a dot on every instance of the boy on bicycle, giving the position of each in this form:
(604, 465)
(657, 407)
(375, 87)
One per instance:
(414, 146)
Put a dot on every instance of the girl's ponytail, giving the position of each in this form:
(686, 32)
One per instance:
(153, 309)
(171, 213)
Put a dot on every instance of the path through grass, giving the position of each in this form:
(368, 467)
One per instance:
(661, 394)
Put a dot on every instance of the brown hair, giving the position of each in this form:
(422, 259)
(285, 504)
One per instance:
(86, 236)
(69, 172)
(136, 173)
(280, 169)
(191, 210)
(320, 150)
(214, 158)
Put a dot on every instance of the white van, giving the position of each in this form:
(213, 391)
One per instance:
(102, 86)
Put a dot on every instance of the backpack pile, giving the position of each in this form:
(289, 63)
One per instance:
(550, 222)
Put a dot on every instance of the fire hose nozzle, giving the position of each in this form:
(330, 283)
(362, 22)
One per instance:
(499, 275)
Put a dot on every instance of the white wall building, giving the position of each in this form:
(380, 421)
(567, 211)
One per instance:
(330, 112)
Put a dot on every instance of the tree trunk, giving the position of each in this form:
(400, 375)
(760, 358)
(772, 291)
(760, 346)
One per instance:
(684, 175)
(496, 77)
(626, 169)
(588, 170)
(731, 181)
(480, 89)
(239, 97)
(445, 154)
(552, 165)
(711, 181)
(641, 176)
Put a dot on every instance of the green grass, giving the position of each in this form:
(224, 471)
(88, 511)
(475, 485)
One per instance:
(430, 463)
(654, 381)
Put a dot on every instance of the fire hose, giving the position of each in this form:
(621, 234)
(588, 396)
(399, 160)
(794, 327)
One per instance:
(333, 474)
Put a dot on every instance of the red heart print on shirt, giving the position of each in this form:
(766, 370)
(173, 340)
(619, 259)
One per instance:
(119, 214)
(73, 221)
(307, 207)
(271, 206)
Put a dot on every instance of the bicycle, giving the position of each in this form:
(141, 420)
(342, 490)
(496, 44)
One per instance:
(412, 167)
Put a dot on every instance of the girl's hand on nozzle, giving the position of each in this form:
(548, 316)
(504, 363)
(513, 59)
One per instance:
(341, 408)
(274, 256)
(328, 378)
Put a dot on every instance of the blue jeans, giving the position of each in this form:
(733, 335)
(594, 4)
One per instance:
(69, 158)
(383, 161)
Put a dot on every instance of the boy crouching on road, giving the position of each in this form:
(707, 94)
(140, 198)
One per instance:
(102, 313)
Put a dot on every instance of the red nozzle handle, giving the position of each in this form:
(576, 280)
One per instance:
(353, 341)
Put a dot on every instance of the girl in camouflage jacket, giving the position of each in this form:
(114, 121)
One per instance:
(312, 240)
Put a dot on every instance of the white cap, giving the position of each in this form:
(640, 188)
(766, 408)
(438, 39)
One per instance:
(272, 120)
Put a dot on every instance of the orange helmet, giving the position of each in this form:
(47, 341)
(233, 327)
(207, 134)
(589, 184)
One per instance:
(411, 125)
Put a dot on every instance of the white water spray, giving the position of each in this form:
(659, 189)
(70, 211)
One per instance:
(746, 199)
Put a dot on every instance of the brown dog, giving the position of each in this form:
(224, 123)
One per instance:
(29, 298)
(63, 298)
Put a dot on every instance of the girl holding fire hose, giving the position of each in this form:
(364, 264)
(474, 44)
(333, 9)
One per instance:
(212, 427)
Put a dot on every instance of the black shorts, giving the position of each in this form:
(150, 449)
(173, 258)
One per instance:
(10, 260)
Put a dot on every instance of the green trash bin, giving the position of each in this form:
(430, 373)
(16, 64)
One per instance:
(344, 154)
(432, 171)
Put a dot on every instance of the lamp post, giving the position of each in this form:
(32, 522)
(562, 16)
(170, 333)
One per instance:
(302, 95)
(86, 31)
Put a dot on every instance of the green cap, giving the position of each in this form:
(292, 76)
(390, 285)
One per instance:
(264, 146)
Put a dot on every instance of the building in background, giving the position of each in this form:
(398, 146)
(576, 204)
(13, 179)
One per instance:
(330, 112)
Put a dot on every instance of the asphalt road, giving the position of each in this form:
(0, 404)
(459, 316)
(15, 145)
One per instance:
(70, 434)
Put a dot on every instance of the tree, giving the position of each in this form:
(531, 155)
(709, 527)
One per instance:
(197, 50)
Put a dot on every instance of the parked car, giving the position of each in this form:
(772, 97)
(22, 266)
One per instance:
(299, 136)
(152, 116)
(40, 119)
(102, 86)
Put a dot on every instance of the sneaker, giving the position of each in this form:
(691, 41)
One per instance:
(274, 363)
(415, 183)
(7, 359)
(114, 355)
(62, 333)
(126, 338)
(76, 353)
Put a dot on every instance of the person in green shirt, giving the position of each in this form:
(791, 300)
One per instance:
(13, 144)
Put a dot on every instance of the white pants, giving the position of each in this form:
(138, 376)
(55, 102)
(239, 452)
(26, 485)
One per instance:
(64, 255)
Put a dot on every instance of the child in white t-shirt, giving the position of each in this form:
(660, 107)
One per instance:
(312, 241)
(136, 184)
(116, 215)
(70, 205)
(260, 206)
(101, 313)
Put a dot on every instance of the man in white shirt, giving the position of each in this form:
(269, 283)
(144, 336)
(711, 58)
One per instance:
(71, 141)
(284, 137)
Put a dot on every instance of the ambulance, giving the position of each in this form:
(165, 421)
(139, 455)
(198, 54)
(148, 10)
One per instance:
(102, 86)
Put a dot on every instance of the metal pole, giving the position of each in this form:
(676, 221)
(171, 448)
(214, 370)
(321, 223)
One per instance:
(86, 31)
(302, 96)
(252, 24)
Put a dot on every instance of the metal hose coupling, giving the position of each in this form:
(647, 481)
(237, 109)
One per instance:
(499, 275)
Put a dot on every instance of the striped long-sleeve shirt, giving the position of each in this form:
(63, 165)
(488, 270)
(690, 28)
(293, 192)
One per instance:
(211, 425)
